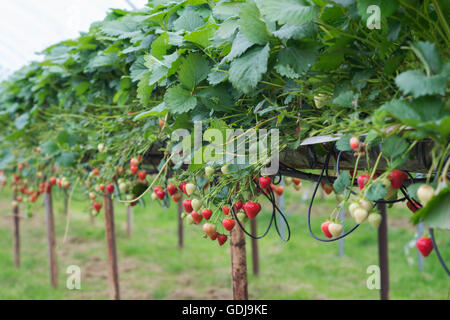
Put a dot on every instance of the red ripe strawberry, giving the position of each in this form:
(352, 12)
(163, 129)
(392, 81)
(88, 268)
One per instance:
(252, 209)
(325, 230)
(197, 217)
(172, 189)
(142, 175)
(327, 187)
(362, 180)
(52, 181)
(264, 182)
(110, 188)
(412, 206)
(182, 187)
(397, 177)
(101, 187)
(19, 199)
(424, 245)
(97, 206)
(206, 213)
(296, 181)
(187, 206)
(228, 224)
(279, 190)
(54, 168)
(3, 183)
(139, 158)
(134, 163)
(214, 236)
(160, 194)
(95, 172)
(226, 210)
(354, 143)
(221, 238)
(161, 123)
(134, 170)
(237, 206)
(48, 187)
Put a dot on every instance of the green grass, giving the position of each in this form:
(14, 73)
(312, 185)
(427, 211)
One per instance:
(153, 267)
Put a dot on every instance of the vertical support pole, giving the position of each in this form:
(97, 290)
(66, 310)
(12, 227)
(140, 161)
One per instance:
(51, 238)
(66, 202)
(16, 233)
(238, 264)
(180, 223)
(383, 253)
(342, 240)
(114, 291)
(255, 256)
(129, 220)
(420, 259)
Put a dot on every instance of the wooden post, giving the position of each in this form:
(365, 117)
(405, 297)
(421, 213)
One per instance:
(110, 233)
(238, 264)
(180, 223)
(16, 234)
(129, 220)
(51, 239)
(255, 257)
(383, 253)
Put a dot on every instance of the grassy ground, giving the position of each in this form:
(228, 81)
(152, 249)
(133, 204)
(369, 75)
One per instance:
(153, 267)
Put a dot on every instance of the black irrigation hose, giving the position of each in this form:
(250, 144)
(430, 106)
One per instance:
(271, 197)
(325, 165)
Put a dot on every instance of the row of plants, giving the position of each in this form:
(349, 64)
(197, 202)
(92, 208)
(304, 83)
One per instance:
(97, 111)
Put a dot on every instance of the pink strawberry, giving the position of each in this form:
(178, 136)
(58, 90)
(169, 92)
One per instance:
(197, 217)
(325, 230)
(362, 180)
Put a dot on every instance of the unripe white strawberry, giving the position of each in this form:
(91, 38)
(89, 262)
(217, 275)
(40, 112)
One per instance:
(425, 193)
(319, 100)
(353, 206)
(335, 229)
(189, 219)
(225, 169)
(209, 229)
(196, 204)
(375, 219)
(190, 189)
(360, 215)
(154, 196)
(123, 187)
(366, 204)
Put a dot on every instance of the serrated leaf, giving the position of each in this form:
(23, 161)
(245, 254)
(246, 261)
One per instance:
(343, 144)
(288, 11)
(144, 90)
(240, 45)
(202, 35)
(49, 147)
(436, 212)
(294, 62)
(251, 24)
(194, 69)
(345, 99)
(67, 138)
(103, 60)
(227, 29)
(296, 32)
(66, 159)
(417, 84)
(138, 69)
(246, 71)
(189, 20)
(215, 76)
(394, 146)
(160, 46)
(179, 100)
(342, 182)
(22, 121)
(376, 191)
(429, 55)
